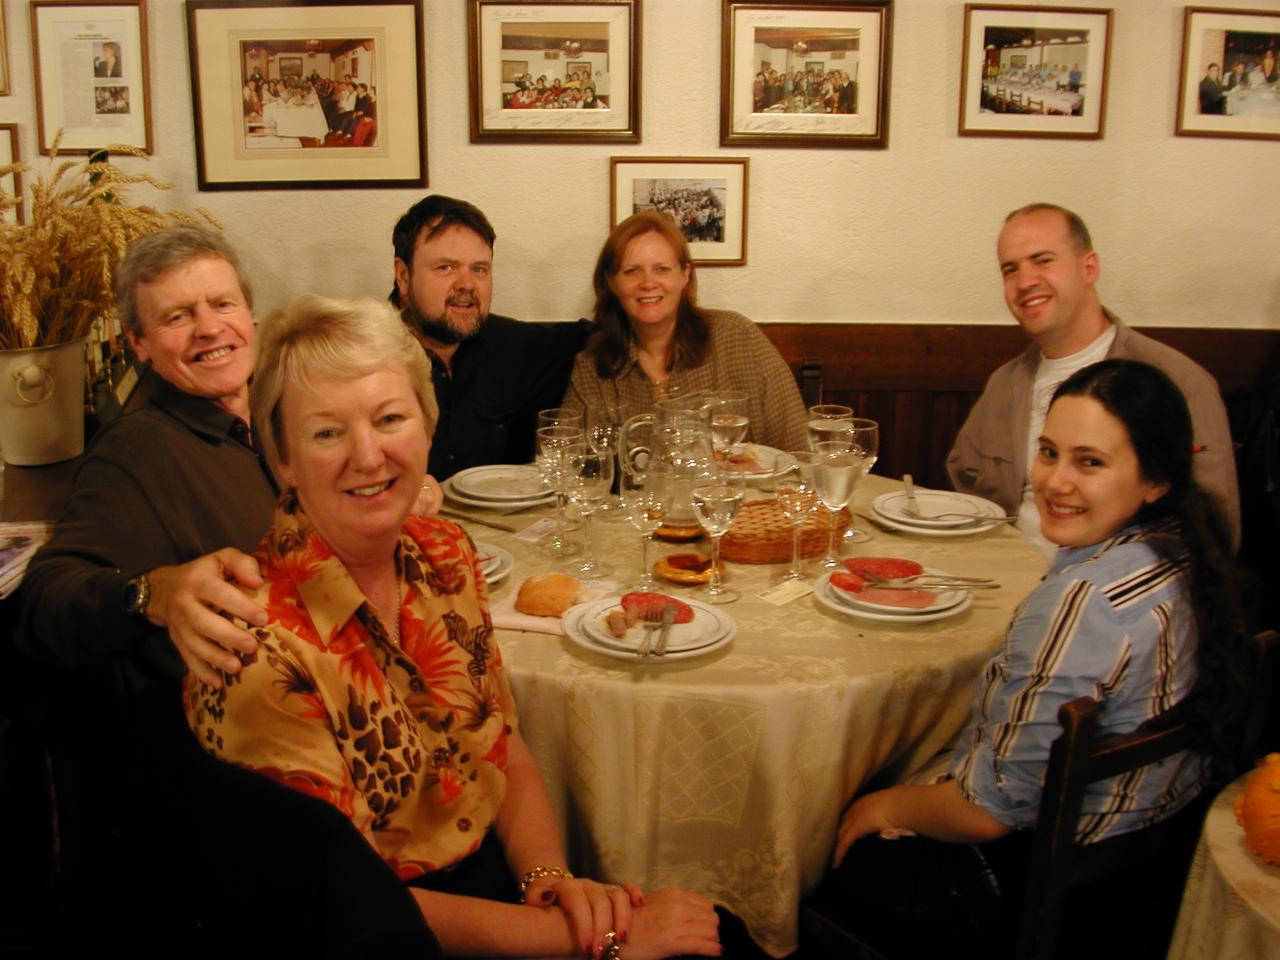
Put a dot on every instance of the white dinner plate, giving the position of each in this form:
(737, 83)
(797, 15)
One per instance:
(499, 562)
(501, 483)
(708, 626)
(453, 494)
(832, 598)
(767, 457)
(895, 520)
(575, 632)
(929, 503)
(945, 600)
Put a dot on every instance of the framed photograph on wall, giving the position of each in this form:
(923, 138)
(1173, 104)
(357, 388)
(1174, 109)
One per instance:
(90, 64)
(307, 95)
(565, 71)
(705, 196)
(805, 74)
(11, 183)
(1034, 71)
(1230, 80)
(4, 56)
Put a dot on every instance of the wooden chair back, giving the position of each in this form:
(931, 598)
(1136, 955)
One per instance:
(1078, 759)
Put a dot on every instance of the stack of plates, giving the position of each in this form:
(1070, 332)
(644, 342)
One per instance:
(495, 563)
(890, 509)
(710, 630)
(499, 487)
(948, 604)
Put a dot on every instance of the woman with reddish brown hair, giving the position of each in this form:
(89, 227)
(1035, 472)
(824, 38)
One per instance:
(652, 340)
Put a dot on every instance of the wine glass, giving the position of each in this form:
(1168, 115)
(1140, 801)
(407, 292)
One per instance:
(865, 446)
(793, 486)
(589, 478)
(646, 490)
(716, 496)
(828, 421)
(553, 442)
(561, 417)
(729, 421)
(836, 472)
(604, 426)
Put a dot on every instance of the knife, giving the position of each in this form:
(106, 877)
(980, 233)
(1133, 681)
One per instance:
(459, 515)
(668, 618)
(912, 507)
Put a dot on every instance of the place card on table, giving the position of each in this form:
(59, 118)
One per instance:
(786, 591)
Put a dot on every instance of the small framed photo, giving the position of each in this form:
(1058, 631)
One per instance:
(705, 196)
(91, 74)
(307, 94)
(1230, 80)
(805, 74)
(565, 71)
(1034, 71)
(11, 182)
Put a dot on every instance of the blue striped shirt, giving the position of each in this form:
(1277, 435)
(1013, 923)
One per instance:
(1111, 621)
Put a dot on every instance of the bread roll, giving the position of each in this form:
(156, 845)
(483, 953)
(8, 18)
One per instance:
(549, 595)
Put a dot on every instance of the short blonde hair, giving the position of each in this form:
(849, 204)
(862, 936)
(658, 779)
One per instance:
(317, 337)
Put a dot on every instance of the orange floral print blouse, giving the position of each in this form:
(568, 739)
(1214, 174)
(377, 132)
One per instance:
(408, 740)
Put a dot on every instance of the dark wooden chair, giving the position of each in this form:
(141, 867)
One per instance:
(1076, 760)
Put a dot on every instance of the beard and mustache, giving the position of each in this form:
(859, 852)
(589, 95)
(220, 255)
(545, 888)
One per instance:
(438, 328)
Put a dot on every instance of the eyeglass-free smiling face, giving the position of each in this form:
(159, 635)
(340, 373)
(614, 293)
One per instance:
(649, 282)
(1086, 478)
(356, 450)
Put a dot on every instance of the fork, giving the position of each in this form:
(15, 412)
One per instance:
(927, 581)
(916, 514)
(651, 620)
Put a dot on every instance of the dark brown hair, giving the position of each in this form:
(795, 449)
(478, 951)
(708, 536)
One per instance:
(611, 332)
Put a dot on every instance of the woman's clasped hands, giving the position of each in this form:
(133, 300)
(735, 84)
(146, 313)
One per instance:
(665, 923)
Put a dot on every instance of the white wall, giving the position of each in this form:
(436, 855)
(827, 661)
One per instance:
(1188, 229)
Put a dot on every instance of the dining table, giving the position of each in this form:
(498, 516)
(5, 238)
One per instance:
(1231, 905)
(727, 773)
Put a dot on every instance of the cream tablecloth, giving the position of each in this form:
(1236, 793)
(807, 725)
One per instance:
(1231, 908)
(726, 774)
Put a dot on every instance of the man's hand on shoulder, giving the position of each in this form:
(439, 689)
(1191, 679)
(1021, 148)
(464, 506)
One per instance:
(194, 602)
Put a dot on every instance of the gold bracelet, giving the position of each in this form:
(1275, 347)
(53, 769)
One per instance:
(537, 873)
(612, 948)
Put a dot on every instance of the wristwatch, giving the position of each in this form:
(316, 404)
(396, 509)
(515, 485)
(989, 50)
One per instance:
(137, 594)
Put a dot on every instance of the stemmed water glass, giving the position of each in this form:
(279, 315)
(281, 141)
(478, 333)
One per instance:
(716, 496)
(604, 425)
(589, 477)
(829, 421)
(836, 472)
(793, 486)
(864, 444)
(554, 442)
(646, 489)
(729, 421)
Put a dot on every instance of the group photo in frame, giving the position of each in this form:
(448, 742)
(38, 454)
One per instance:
(11, 183)
(564, 71)
(307, 95)
(90, 62)
(706, 197)
(1034, 71)
(812, 73)
(1229, 84)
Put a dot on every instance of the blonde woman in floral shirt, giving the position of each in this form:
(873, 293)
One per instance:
(378, 686)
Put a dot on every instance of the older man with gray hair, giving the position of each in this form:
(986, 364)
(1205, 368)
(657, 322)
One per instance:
(168, 496)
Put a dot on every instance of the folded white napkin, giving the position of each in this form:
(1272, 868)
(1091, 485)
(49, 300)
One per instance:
(507, 617)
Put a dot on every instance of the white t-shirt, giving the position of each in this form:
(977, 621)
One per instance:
(1049, 376)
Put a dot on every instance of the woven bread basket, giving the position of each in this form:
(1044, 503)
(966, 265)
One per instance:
(761, 533)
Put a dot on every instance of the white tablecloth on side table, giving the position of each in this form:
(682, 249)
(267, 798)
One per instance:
(1231, 907)
(726, 774)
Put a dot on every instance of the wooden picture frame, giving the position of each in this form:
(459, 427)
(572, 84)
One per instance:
(4, 56)
(521, 87)
(11, 183)
(778, 99)
(706, 196)
(1243, 100)
(1034, 71)
(354, 117)
(91, 72)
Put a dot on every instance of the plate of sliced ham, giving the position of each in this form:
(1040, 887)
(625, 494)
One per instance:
(848, 593)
